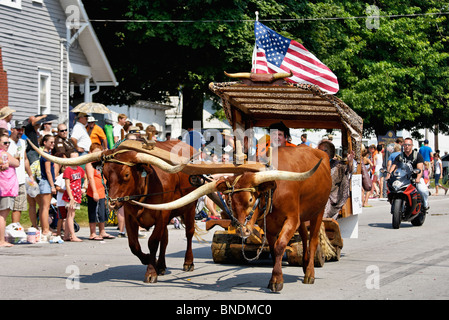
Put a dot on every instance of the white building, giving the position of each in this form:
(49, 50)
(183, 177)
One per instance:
(48, 48)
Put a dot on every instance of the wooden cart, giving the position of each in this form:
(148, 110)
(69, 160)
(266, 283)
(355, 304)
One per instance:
(259, 101)
(228, 247)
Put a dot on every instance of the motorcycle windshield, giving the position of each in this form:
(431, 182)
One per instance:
(402, 172)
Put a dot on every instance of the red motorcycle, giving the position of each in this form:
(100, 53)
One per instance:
(406, 202)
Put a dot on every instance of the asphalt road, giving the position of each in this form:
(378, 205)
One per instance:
(409, 263)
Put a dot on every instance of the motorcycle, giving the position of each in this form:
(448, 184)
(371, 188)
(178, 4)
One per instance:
(406, 202)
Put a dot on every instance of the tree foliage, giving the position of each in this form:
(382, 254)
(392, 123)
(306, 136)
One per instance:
(395, 76)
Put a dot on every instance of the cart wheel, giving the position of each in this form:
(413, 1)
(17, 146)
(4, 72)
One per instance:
(294, 255)
(319, 257)
(221, 247)
(227, 248)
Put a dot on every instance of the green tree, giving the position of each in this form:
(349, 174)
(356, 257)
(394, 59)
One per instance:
(395, 76)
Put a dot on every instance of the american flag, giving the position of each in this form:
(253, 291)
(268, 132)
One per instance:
(275, 53)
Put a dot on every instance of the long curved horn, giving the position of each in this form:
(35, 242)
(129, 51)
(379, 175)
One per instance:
(245, 75)
(281, 75)
(91, 157)
(261, 177)
(192, 196)
(161, 164)
(212, 187)
(96, 156)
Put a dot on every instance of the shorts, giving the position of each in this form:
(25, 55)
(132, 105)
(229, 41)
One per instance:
(77, 205)
(437, 179)
(6, 203)
(96, 210)
(32, 156)
(44, 186)
(378, 174)
(62, 212)
(20, 202)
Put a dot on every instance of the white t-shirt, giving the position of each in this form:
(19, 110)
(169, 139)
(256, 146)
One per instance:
(378, 161)
(117, 132)
(60, 182)
(437, 166)
(20, 148)
(82, 137)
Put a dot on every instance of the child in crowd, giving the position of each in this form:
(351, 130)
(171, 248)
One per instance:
(46, 186)
(72, 196)
(96, 200)
(62, 211)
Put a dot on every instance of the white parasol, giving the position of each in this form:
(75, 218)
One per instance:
(91, 107)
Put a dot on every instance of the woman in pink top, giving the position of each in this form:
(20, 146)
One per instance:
(9, 186)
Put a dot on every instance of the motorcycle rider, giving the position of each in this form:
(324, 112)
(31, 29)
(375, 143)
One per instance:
(416, 160)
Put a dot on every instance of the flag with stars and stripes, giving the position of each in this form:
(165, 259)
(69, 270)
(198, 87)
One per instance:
(275, 53)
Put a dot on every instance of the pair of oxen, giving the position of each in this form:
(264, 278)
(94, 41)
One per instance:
(301, 185)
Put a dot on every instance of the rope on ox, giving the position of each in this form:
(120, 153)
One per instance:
(109, 158)
(268, 207)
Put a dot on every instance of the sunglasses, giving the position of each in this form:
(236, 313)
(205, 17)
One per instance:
(6, 143)
(63, 130)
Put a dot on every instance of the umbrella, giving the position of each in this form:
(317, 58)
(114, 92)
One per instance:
(48, 118)
(91, 107)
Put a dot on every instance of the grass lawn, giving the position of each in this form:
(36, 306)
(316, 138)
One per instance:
(80, 217)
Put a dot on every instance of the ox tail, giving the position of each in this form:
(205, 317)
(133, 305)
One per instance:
(199, 233)
(328, 249)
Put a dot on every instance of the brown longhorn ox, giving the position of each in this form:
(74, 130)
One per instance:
(301, 193)
(129, 173)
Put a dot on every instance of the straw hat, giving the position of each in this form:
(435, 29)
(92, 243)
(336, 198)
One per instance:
(226, 132)
(6, 111)
(134, 129)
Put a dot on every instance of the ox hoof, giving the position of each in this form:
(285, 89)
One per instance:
(308, 280)
(275, 287)
(150, 279)
(188, 267)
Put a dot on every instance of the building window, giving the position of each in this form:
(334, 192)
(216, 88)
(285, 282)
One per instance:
(44, 86)
(12, 3)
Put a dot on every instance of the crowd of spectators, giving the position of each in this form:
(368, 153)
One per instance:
(59, 187)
